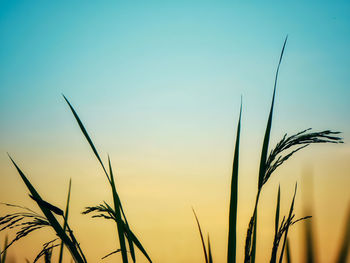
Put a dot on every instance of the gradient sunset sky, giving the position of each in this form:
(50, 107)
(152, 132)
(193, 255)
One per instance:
(158, 86)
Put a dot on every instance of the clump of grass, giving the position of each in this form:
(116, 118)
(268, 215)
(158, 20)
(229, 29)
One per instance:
(269, 162)
(284, 149)
(27, 221)
(49, 219)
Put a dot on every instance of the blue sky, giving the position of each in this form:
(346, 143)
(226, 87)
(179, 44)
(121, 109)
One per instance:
(172, 66)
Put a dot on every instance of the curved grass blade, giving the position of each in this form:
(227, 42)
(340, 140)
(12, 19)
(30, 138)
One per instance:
(65, 220)
(345, 245)
(232, 230)
(110, 254)
(288, 225)
(209, 252)
(51, 218)
(86, 136)
(202, 239)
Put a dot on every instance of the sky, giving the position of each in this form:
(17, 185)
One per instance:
(158, 85)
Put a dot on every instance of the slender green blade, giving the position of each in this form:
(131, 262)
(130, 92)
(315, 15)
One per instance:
(132, 239)
(3, 258)
(232, 230)
(289, 218)
(66, 213)
(82, 128)
(345, 245)
(274, 248)
(120, 226)
(49, 206)
(51, 218)
(114, 192)
(202, 239)
(252, 258)
(209, 251)
(264, 152)
(131, 236)
(288, 256)
(277, 216)
(138, 244)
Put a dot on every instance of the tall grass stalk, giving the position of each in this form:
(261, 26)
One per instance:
(232, 230)
(66, 213)
(288, 256)
(250, 248)
(3, 255)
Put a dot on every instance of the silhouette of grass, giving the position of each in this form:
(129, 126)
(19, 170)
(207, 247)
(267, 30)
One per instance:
(66, 213)
(39, 221)
(206, 256)
(3, 257)
(232, 227)
(27, 221)
(119, 217)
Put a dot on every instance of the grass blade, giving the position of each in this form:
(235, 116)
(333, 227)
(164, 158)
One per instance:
(3, 257)
(345, 245)
(66, 213)
(252, 258)
(138, 244)
(51, 218)
(49, 206)
(209, 251)
(232, 231)
(86, 136)
(289, 219)
(264, 152)
(277, 210)
(202, 239)
(117, 205)
(130, 235)
(275, 246)
(288, 257)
